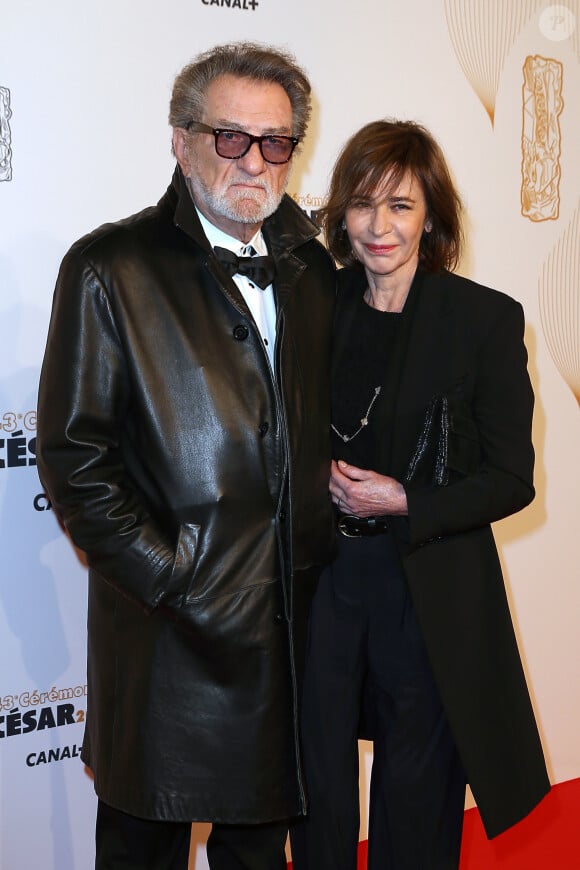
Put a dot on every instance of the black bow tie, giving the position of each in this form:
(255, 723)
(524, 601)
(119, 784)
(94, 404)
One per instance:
(260, 270)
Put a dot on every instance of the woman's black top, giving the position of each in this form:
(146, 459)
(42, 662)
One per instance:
(369, 353)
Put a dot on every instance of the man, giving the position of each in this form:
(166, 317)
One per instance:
(184, 441)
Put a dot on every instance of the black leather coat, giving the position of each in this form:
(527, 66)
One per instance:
(196, 483)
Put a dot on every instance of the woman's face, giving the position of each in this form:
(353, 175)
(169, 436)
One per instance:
(385, 229)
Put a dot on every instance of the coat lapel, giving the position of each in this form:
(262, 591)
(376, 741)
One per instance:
(286, 230)
(427, 366)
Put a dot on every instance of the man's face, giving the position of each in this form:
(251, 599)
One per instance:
(236, 195)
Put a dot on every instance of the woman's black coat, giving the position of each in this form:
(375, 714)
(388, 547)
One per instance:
(466, 347)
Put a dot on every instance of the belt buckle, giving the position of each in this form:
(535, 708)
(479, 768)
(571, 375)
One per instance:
(343, 526)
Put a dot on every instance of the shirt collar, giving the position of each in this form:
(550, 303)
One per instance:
(217, 237)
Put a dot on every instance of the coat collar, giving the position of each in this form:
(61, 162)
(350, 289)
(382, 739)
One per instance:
(285, 231)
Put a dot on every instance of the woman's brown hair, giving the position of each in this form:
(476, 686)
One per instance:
(395, 148)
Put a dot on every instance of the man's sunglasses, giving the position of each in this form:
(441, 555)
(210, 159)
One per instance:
(233, 144)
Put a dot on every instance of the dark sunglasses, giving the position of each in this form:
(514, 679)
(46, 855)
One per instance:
(233, 144)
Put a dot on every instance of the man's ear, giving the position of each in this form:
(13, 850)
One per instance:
(179, 140)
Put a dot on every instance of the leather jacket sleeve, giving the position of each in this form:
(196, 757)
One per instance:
(83, 400)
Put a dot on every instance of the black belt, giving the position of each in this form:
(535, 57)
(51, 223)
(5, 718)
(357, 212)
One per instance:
(358, 527)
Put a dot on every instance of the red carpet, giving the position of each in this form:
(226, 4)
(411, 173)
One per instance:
(547, 839)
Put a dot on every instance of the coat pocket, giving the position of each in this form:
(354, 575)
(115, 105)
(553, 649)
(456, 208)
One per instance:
(448, 443)
(463, 450)
(182, 574)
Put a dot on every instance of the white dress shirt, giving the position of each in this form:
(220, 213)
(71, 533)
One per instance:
(260, 302)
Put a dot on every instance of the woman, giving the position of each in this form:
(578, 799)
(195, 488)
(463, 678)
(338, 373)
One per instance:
(411, 639)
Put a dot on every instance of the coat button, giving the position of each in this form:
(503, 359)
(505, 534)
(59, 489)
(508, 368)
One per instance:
(282, 516)
(241, 332)
(263, 428)
(279, 619)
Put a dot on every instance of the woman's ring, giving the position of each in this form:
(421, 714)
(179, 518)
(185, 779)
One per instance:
(339, 502)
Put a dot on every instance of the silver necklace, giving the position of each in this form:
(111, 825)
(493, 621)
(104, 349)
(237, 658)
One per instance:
(363, 422)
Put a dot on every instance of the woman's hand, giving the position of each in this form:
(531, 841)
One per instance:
(366, 493)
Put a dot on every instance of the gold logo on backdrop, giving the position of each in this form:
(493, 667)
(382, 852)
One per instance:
(5, 141)
(542, 105)
(482, 33)
(559, 297)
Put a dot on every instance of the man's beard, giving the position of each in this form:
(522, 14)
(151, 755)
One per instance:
(243, 205)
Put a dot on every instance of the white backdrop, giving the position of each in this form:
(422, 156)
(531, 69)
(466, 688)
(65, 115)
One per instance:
(84, 92)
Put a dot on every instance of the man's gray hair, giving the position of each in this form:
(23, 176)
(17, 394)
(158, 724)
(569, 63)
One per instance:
(245, 60)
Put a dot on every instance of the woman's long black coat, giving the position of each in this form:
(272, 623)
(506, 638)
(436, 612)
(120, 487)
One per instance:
(466, 344)
(197, 485)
